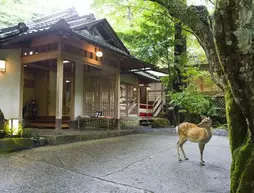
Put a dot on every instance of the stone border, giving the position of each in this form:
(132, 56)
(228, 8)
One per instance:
(15, 144)
(63, 139)
(219, 132)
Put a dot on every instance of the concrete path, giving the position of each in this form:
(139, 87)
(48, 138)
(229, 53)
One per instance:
(129, 164)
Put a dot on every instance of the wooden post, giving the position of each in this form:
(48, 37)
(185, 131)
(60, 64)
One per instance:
(109, 101)
(21, 94)
(127, 100)
(59, 88)
(147, 94)
(138, 100)
(72, 102)
(117, 100)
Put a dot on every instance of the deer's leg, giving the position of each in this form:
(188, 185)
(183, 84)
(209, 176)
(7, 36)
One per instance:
(201, 148)
(178, 153)
(181, 146)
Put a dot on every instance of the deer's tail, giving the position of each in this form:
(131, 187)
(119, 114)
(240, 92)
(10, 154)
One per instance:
(177, 129)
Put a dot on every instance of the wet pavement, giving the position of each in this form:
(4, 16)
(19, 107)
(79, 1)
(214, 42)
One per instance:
(128, 164)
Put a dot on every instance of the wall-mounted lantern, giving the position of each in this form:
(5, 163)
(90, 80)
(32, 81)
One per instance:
(14, 126)
(2, 66)
(99, 54)
(66, 61)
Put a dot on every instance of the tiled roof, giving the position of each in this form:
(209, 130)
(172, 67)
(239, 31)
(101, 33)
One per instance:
(97, 40)
(75, 23)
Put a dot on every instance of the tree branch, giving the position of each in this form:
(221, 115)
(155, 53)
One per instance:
(155, 11)
(197, 19)
(211, 2)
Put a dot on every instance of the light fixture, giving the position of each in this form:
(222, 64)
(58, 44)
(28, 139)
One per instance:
(66, 61)
(2, 66)
(14, 126)
(67, 81)
(25, 53)
(31, 52)
(134, 89)
(25, 65)
(148, 88)
(99, 54)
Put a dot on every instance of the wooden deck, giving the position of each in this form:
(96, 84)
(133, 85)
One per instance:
(46, 122)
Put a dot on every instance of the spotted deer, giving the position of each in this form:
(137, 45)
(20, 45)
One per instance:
(197, 133)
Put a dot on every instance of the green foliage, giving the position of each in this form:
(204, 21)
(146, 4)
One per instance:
(145, 28)
(223, 126)
(160, 123)
(193, 102)
(129, 124)
(195, 54)
(14, 11)
(12, 132)
(148, 31)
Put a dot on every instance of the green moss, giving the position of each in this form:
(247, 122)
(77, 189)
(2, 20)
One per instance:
(14, 144)
(242, 175)
(160, 122)
(237, 126)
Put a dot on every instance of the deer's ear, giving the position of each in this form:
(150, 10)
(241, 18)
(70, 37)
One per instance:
(202, 116)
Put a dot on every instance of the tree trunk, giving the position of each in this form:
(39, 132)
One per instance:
(242, 148)
(242, 175)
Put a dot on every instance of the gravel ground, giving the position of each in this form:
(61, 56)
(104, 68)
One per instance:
(219, 132)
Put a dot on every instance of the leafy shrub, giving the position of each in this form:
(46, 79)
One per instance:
(193, 102)
(11, 132)
(224, 126)
(160, 122)
(129, 123)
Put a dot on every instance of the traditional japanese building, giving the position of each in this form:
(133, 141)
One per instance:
(71, 65)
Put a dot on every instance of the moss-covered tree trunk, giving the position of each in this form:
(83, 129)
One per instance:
(242, 148)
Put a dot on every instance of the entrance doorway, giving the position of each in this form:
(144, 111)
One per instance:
(40, 81)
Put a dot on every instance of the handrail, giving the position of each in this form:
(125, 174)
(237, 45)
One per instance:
(132, 107)
(158, 98)
(157, 106)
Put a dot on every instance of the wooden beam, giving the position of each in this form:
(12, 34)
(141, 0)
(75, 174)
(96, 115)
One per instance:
(98, 73)
(47, 39)
(90, 62)
(79, 59)
(39, 57)
(91, 48)
(39, 67)
(79, 44)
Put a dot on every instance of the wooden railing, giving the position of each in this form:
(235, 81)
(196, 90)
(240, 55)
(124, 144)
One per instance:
(157, 106)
